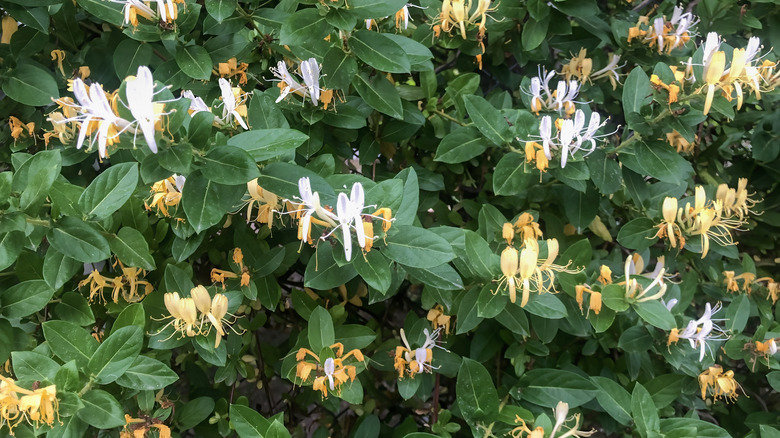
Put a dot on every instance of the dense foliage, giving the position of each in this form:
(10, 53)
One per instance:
(367, 218)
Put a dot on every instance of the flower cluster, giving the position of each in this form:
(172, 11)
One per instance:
(220, 275)
(699, 331)
(233, 105)
(309, 72)
(167, 11)
(186, 319)
(664, 34)
(232, 68)
(523, 269)
(744, 71)
(457, 14)
(349, 216)
(571, 135)
(718, 383)
(560, 100)
(581, 67)
(131, 287)
(438, 319)
(594, 303)
(706, 218)
(96, 112)
(266, 203)
(634, 290)
(332, 370)
(140, 427)
(418, 360)
(164, 194)
(36, 406)
(561, 412)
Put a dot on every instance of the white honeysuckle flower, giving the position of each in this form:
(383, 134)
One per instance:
(288, 83)
(545, 133)
(670, 304)
(196, 103)
(310, 71)
(711, 46)
(561, 411)
(231, 100)
(140, 8)
(330, 368)
(140, 95)
(349, 214)
(309, 205)
(94, 108)
(709, 331)
(571, 136)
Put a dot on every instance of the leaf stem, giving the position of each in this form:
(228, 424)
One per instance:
(38, 222)
(450, 118)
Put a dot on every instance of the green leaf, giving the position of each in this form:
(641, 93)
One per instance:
(109, 191)
(660, 161)
(32, 366)
(106, 11)
(132, 315)
(408, 387)
(637, 234)
(57, 267)
(31, 85)
(229, 165)
(546, 305)
(194, 61)
(204, 346)
(205, 202)
(513, 318)
(665, 389)
(645, 412)
(147, 374)
(474, 390)
(247, 422)
(303, 26)
(25, 298)
(443, 277)
(462, 144)
(737, 313)
(354, 336)
(116, 354)
(468, 313)
(101, 410)
(322, 271)
(73, 307)
(605, 172)
(375, 270)
(655, 314)
(264, 113)
(699, 428)
(547, 387)
(637, 91)
(194, 412)
(635, 339)
(77, 240)
(491, 303)
(220, 9)
(266, 144)
(417, 247)
(131, 248)
(379, 94)
(69, 342)
(510, 177)
(338, 68)
(321, 332)
(614, 399)
(129, 55)
(11, 245)
(41, 170)
(488, 119)
(364, 9)
(774, 380)
(379, 51)
(580, 207)
(534, 32)
(71, 427)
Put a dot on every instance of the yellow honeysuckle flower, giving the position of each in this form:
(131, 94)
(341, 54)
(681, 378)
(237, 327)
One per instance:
(19, 129)
(36, 406)
(9, 26)
(524, 269)
(266, 202)
(679, 142)
(712, 74)
(438, 319)
(185, 318)
(669, 228)
(595, 298)
(718, 384)
(165, 193)
(418, 360)
(605, 275)
(334, 371)
(232, 68)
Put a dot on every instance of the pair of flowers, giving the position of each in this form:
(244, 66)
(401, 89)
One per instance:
(96, 114)
(571, 136)
(35, 406)
(664, 34)
(185, 316)
(349, 216)
(233, 105)
(330, 373)
(309, 72)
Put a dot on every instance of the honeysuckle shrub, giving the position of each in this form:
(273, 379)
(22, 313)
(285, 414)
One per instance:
(376, 219)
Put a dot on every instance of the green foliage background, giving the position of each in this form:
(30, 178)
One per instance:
(435, 138)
